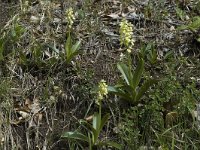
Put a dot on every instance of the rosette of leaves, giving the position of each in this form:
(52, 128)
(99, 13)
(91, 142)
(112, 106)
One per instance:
(130, 90)
(71, 50)
(93, 132)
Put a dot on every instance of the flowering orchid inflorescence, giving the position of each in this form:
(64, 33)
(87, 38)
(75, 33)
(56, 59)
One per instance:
(102, 91)
(70, 17)
(126, 33)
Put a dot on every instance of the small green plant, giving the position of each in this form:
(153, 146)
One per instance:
(149, 52)
(180, 13)
(10, 36)
(130, 89)
(94, 130)
(193, 26)
(71, 50)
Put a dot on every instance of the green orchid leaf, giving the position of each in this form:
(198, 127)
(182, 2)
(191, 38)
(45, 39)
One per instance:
(71, 51)
(72, 55)
(145, 87)
(96, 121)
(125, 72)
(127, 88)
(119, 92)
(76, 46)
(112, 89)
(75, 135)
(96, 125)
(138, 73)
(68, 46)
(119, 88)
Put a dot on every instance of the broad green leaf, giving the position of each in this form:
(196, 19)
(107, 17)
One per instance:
(72, 55)
(125, 72)
(120, 92)
(127, 88)
(145, 87)
(138, 73)
(76, 46)
(75, 135)
(126, 97)
(112, 89)
(117, 88)
(96, 125)
(96, 120)
(68, 46)
(71, 51)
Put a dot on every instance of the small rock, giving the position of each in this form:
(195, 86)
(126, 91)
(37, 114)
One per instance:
(34, 19)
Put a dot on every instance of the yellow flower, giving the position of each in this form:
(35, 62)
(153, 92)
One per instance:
(70, 17)
(126, 33)
(102, 91)
(122, 56)
(103, 87)
(129, 50)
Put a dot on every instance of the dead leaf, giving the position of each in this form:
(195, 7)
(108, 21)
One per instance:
(171, 117)
(24, 114)
(31, 112)
(113, 16)
(89, 118)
